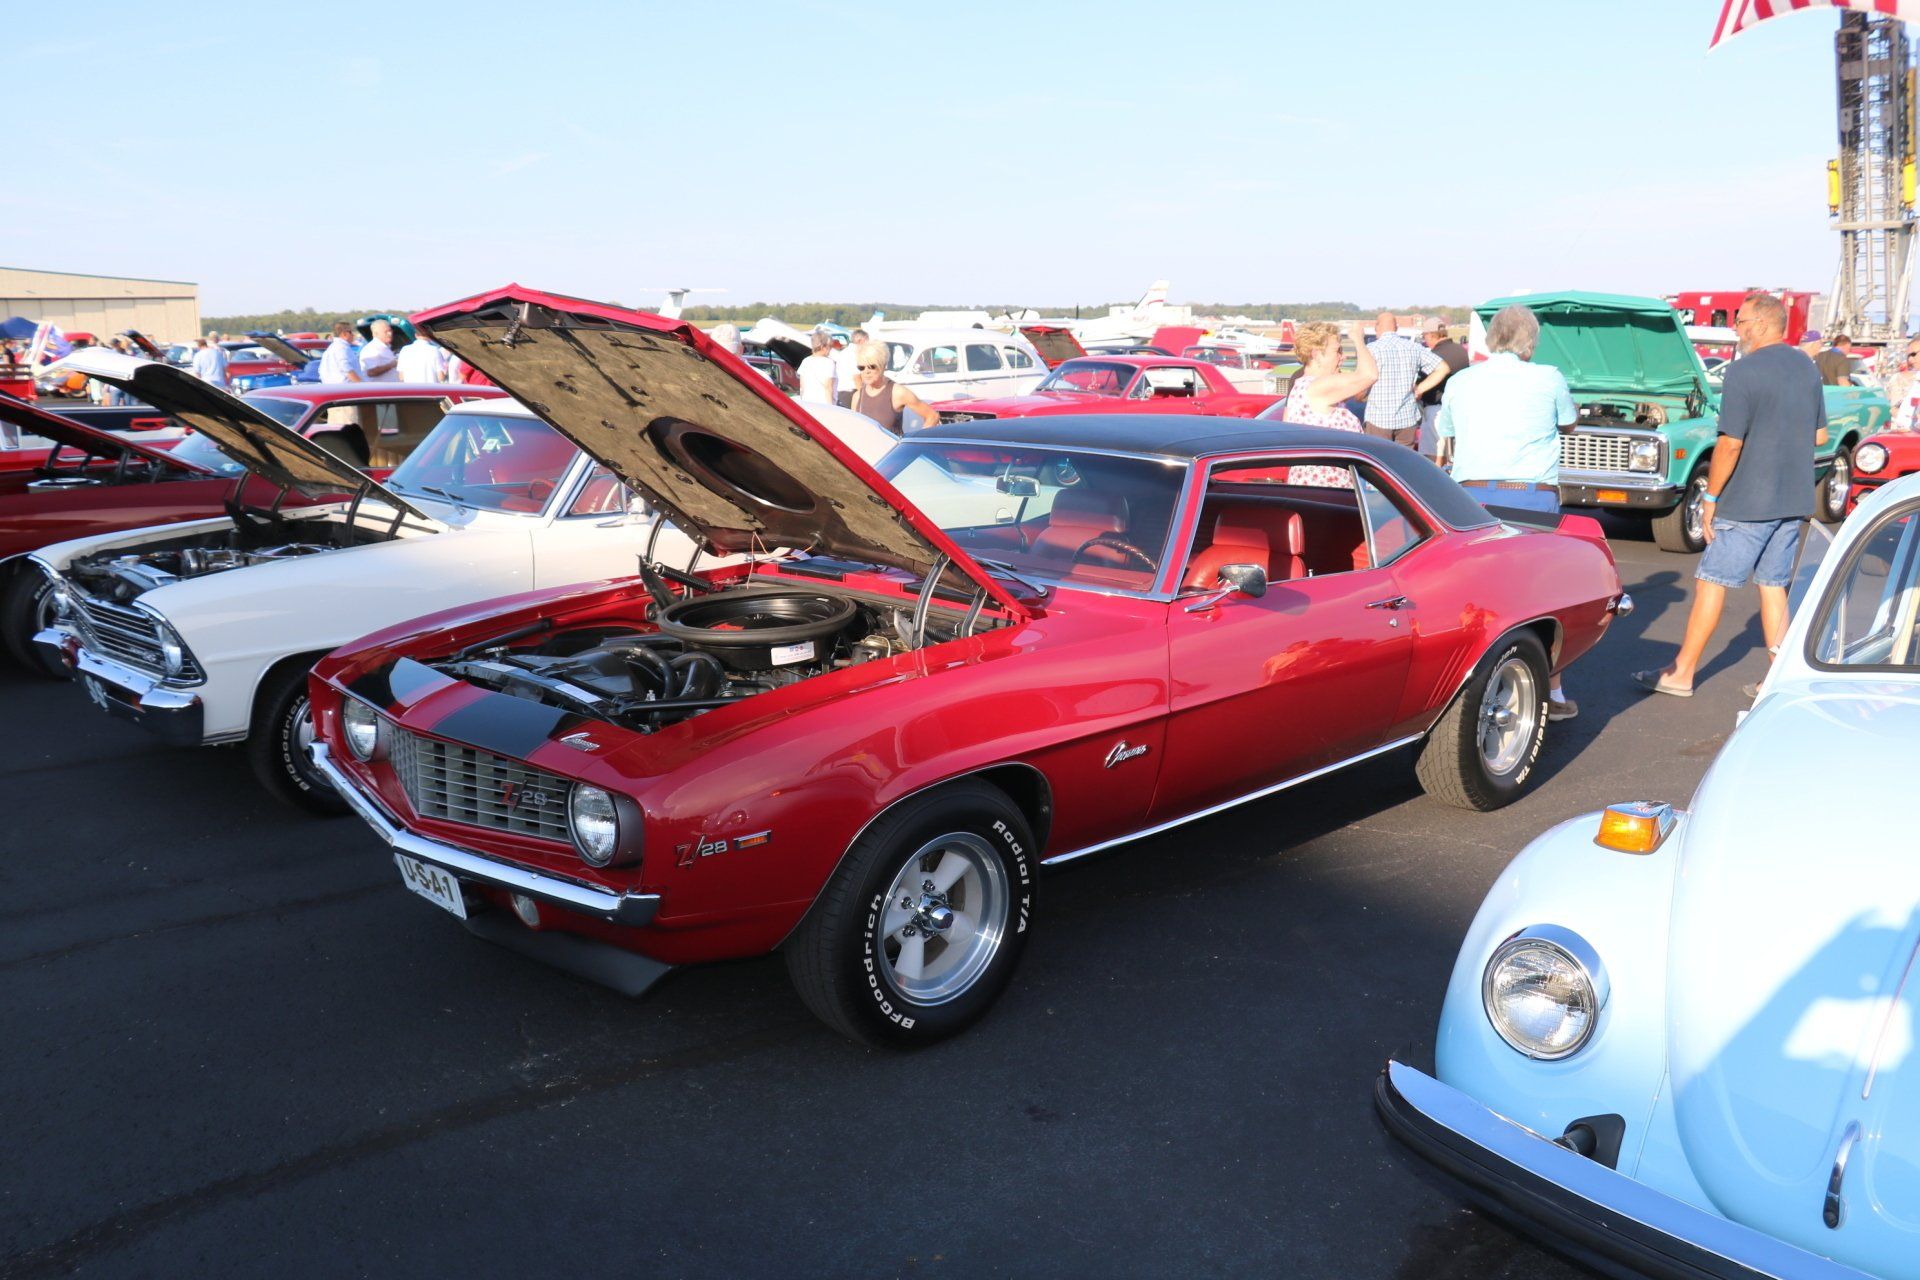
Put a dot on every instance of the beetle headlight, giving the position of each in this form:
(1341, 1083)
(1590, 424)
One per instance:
(1870, 457)
(1543, 991)
(594, 823)
(360, 725)
(1644, 456)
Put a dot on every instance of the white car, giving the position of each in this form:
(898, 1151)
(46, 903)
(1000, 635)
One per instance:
(962, 364)
(204, 631)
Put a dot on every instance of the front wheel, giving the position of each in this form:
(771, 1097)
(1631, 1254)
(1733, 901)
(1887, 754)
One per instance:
(922, 925)
(1684, 528)
(26, 609)
(1483, 750)
(1830, 496)
(277, 747)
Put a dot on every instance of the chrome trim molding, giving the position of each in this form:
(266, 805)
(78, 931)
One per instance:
(1833, 1210)
(1578, 1202)
(618, 907)
(1224, 805)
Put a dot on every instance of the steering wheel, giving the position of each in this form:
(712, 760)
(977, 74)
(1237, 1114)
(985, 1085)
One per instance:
(1132, 556)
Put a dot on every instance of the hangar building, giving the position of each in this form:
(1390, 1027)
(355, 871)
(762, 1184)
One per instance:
(167, 310)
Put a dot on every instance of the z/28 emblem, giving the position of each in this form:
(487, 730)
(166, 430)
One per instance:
(689, 853)
(515, 796)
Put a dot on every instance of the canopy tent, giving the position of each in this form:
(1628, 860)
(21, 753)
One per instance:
(1737, 15)
(17, 328)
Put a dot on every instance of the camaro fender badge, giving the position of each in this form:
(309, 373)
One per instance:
(581, 741)
(687, 854)
(1121, 751)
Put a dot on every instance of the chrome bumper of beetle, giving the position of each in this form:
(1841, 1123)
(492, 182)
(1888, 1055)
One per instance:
(1604, 1218)
(175, 716)
(620, 908)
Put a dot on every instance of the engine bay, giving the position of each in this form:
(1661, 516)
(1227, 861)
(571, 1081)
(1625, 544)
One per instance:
(701, 651)
(121, 574)
(1622, 413)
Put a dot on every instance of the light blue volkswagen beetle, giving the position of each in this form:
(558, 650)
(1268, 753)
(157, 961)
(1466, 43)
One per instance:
(1682, 1043)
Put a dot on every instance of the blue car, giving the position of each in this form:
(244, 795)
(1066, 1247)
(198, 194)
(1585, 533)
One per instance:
(1682, 1043)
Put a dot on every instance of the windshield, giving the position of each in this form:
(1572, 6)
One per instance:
(1057, 516)
(495, 463)
(1089, 377)
(1871, 616)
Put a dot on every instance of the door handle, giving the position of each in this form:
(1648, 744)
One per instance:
(1392, 602)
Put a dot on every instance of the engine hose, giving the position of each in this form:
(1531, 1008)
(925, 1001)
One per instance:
(655, 666)
(700, 675)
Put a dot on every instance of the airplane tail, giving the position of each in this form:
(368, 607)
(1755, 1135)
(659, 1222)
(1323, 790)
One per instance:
(1151, 301)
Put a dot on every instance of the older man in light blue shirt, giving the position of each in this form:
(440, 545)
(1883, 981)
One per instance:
(1500, 423)
(210, 362)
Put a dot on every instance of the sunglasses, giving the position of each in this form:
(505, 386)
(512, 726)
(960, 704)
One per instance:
(866, 366)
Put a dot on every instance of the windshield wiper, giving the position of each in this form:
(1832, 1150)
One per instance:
(438, 492)
(1006, 570)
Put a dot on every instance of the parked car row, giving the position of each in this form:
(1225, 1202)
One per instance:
(636, 662)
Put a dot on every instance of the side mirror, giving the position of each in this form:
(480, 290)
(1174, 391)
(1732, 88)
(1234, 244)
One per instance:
(1248, 579)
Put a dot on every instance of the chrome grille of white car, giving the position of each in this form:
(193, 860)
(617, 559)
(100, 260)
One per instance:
(462, 784)
(125, 635)
(1582, 451)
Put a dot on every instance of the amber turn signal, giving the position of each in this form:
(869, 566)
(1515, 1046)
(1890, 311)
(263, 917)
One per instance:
(1638, 826)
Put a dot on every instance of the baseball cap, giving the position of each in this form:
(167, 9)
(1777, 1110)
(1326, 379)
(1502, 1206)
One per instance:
(1435, 324)
(1811, 335)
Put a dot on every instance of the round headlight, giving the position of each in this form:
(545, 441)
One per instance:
(1543, 991)
(1870, 457)
(360, 725)
(594, 824)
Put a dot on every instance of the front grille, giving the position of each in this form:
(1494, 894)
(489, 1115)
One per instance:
(461, 784)
(126, 635)
(1582, 451)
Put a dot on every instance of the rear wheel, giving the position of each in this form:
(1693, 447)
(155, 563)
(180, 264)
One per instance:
(1684, 528)
(26, 608)
(922, 925)
(277, 746)
(1483, 750)
(1830, 495)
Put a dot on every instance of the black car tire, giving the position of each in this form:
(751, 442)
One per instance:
(275, 748)
(838, 957)
(1677, 529)
(23, 613)
(1830, 493)
(1453, 764)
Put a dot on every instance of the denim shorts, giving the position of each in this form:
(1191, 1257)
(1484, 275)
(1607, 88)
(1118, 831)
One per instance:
(1759, 549)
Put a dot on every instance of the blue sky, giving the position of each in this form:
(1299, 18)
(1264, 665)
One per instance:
(978, 152)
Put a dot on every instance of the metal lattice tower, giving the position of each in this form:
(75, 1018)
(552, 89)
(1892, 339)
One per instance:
(1873, 202)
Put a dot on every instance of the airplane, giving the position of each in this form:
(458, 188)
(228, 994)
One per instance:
(676, 298)
(1139, 321)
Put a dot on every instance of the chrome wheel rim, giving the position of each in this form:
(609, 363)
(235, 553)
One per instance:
(302, 738)
(1697, 511)
(1509, 713)
(944, 918)
(1837, 484)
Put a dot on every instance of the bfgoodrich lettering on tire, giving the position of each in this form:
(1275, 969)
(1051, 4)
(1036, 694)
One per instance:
(922, 925)
(1482, 752)
(277, 746)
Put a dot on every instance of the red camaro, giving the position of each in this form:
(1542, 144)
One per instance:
(1118, 384)
(1880, 458)
(991, 656)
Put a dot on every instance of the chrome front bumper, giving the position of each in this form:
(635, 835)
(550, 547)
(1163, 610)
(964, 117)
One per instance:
(175, 716)
(1604, 1218)
(572, 895)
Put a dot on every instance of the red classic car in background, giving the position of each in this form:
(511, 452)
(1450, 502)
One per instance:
(992, 656)
(85, 481)
(1880, 458)
(1118, 384)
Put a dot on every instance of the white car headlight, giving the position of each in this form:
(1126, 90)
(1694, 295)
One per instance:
(1869, 458)
(1645, 456)
(1543, 991)
(360, 725)
(594, 823)
(173, 650)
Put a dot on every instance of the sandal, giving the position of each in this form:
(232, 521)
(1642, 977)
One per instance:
(1655, 682)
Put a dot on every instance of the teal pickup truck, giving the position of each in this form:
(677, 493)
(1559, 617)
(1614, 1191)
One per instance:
(1648, 411)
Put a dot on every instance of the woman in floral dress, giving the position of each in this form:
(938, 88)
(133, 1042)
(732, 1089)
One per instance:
(1321, 389)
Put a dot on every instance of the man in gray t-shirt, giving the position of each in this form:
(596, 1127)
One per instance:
(1773, 415)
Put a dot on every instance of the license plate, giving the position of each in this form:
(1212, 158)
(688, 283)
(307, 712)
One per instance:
(431, 883)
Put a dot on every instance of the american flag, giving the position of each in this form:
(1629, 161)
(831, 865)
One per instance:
(1737, 15)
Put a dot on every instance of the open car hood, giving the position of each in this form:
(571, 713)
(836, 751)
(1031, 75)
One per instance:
(1054, 342)
(74, 435)
(732, 462)
(281, 457)
(1612, 342)
(282, 349)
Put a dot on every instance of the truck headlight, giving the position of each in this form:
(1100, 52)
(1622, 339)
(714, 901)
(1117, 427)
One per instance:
(360, 725)
(594, 824)
(1870, 458)
(1543, 991)
(1645, 456)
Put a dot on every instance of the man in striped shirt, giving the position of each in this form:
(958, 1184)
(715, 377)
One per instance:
(1407, 372)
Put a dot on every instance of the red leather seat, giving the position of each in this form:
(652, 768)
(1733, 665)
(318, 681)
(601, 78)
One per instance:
(1242, 537)
(1078, 518)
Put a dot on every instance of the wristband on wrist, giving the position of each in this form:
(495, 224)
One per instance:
(1710, 497)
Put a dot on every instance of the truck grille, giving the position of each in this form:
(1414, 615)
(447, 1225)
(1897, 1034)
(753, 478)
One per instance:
(460, 784)
(126, 635)
(1580, 451)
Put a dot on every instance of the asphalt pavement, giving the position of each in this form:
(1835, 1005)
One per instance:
(231, 1044)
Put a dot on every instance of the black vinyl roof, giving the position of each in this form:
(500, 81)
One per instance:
(1186, 437)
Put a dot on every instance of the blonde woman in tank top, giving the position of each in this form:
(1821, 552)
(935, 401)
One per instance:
(880, 397)
(1321, 389)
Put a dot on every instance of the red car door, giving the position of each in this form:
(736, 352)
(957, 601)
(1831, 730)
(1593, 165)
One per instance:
(1308, 675)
